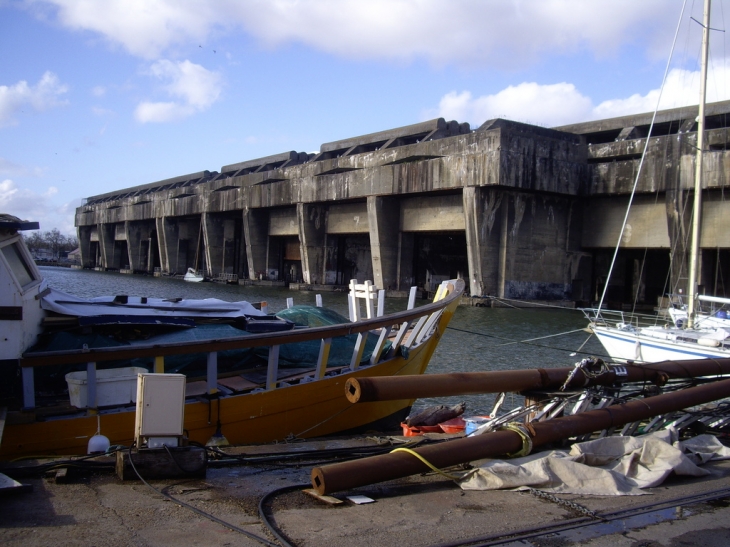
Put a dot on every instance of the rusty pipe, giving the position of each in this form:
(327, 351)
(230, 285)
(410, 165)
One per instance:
(347, 475)
(462, 383)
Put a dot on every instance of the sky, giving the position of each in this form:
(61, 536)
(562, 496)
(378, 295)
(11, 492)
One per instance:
(101, 95)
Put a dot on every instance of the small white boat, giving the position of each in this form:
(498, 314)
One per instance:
(194, 276)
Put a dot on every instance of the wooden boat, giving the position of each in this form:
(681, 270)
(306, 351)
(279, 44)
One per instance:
(284, 403)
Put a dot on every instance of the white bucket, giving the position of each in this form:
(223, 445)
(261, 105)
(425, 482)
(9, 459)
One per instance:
(114, 386)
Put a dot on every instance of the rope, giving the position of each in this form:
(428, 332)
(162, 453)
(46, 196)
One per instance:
(524, 434)
(428, 463)
(641, 163)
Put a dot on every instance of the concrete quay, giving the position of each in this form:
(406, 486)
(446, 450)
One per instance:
(423, 510)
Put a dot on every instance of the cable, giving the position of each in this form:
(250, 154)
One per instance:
(200, 512)
(264, 518)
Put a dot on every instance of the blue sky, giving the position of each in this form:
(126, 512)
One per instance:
(99, 95)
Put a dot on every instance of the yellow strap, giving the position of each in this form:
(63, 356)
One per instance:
(428, 463)
(524, 434)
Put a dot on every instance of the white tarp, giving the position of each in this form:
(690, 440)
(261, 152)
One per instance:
(611, 466)
(67, 304)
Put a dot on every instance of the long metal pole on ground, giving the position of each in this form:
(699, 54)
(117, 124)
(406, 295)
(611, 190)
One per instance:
(463, 383)
(353, 474)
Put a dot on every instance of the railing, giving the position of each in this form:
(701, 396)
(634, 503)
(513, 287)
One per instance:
(621, 319)
(409, 336)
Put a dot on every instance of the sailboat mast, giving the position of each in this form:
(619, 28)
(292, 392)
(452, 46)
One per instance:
(697, 209)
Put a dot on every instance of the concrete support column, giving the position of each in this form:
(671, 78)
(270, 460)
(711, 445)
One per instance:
(481, 206)
(312, 225)
(503, 240)
(168, 235)
(213, 243)
(256, 235)
(83, 233)
(136, 258)
(384, 223)
(106, 245)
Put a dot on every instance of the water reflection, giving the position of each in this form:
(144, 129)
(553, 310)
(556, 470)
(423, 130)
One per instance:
(478, 339)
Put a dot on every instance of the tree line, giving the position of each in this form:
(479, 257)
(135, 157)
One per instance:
(52, 241)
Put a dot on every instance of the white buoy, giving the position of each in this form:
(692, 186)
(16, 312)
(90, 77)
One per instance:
(98, 443)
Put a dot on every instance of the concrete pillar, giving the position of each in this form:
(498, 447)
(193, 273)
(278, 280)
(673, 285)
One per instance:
(312, 225)
(106, 245)
(256, 234)
(384, 223)
(503, 240)
(83, 233)
(213, 243)
(481, 207)
(167, 235)
(137, 258)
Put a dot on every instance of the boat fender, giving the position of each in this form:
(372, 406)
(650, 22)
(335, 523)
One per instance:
(708, 342)
(98, 444)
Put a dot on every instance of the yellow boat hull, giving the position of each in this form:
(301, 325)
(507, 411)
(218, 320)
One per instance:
(301, 411)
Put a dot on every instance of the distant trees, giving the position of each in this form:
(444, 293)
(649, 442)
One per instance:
(51, 243)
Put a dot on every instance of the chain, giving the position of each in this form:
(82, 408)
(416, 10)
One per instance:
(576, 507)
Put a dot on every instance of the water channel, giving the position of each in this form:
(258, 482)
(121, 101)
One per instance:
(478, 338)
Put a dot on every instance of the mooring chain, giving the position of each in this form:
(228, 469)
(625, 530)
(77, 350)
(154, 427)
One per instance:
(576, 507)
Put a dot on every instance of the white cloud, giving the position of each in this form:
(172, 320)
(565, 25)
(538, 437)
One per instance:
(31, 205)
(560, 104)
(507, 34)
(12, 169)
(527, 102)
(42, 96)
(98, 91)
(195, 87)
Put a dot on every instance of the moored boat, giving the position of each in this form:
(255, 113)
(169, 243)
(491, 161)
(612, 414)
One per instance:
(270, 401)
(635, 337)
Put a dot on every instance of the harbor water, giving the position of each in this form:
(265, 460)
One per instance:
(478, 338)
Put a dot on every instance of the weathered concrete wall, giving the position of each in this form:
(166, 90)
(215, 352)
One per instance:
(527, 207)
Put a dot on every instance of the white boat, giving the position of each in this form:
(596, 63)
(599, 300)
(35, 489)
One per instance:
(633, 337)
(194, 276)
(713, 318)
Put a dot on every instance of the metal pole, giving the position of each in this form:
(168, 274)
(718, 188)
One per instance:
(697, 209)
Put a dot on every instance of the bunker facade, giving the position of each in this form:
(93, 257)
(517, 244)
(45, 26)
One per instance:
(517, 210)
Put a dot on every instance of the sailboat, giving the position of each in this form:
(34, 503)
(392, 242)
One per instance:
(630, 337)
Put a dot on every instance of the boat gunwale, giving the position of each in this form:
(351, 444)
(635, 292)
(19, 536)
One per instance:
(40, 359)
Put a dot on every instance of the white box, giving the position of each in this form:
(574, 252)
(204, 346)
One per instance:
(160, 406)
(114, 386)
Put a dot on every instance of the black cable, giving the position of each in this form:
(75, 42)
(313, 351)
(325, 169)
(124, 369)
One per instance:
(264, 518)
(200, 512)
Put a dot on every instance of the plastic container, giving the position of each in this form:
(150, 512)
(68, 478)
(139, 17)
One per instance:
(473, 422)
(114, 386)
(415, 431)
(454, 425)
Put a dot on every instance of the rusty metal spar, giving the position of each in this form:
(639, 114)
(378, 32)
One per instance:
(347, 475)
(442, 385)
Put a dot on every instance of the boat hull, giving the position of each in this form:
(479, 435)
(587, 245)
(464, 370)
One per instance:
(630, 346)
(300, 411)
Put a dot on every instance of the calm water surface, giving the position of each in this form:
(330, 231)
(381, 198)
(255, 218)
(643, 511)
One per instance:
(478, 339)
